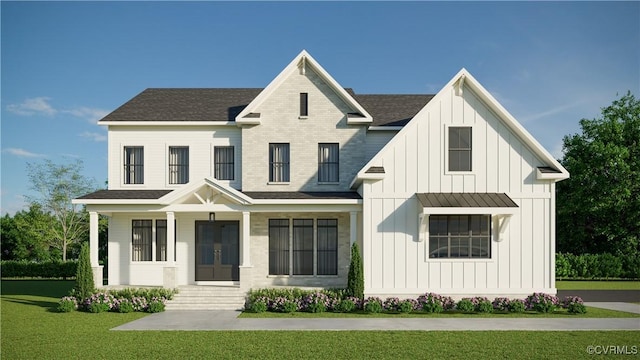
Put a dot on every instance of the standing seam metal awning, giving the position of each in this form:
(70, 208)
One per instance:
(467, 203)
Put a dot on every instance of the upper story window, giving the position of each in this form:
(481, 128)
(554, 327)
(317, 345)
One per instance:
(328, 162)
(459, 148)
(134, 165)
(178, 165)
(223, 162)
(279, 162)
(304, 104)
(459, 236)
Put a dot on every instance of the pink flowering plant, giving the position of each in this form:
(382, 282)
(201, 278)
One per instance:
(574, 305)
(501, 304)
(372, 305)
(67, 304)
(541, 302)
(99, 302)
(434, 303)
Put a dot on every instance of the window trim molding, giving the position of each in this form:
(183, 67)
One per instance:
(122, 166)
(213, 161)
(446, 150)
(154, 235)
(168, 169)
(494, 235)
(337, 164)
(270, 164)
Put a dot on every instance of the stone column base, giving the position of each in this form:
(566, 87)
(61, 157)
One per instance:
(169, 280)
(246, 277)
(97, 276)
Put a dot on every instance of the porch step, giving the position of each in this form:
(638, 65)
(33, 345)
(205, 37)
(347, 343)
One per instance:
(207, 298)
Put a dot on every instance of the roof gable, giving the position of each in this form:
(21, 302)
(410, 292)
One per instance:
(301, 63)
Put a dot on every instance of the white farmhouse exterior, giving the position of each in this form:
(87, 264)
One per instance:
(270, 187)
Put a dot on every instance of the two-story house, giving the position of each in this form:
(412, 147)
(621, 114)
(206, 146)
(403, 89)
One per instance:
(270, 187)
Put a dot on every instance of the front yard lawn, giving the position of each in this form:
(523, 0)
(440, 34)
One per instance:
(597, 285)
(31, 330)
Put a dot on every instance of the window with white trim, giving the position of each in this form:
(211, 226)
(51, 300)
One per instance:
(279, 162)
(134, 165)
(178, 164)
(141, 238)
(460, 236)
(224, 162)
(328, 162)
(459, 148)
(298, 248)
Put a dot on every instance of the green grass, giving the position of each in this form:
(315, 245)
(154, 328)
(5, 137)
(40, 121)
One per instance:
(31, 330)
(591, 313)
(597, 285)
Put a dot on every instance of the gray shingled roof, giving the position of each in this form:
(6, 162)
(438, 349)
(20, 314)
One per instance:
(126, 194)
(224, 104)
(302, 195)
(392, 110)
(185, 105)
(465, 200)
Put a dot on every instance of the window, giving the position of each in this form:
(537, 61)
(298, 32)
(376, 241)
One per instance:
(141, 234)
(304, 104)
(133, 165)
(459, 236)
(327, 247)
(278, 247)
(311, 253)
(279, 162)
(223, 160)
(328, 163)
(459, 149)
(178, 164)
(303, 247)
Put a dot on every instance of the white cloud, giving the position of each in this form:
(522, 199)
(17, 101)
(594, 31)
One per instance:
(90, 114)
(22, 153)
(12, 205)
(38, 105)
(94, 136)
(552, 111)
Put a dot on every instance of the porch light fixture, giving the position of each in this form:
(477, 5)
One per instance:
(212, 217)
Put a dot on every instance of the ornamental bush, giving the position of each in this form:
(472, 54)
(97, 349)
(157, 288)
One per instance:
(155, 305)
(407, 306)
(372, 305)
(316, 302)
(259, 305)
(345, 306)
(574, 305)
(434, 303)
(84, 276)
(355, 279)
(123, 305)
(541, 302)
(465, 305)
(501, 304)
(67, 304)
(391, 304)
(517, 306)
(99, 302)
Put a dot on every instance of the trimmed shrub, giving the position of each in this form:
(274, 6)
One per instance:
(465, 305)
(123, 305)
(67, 304)
(44, 269)
(155, 305)
(372, 305)
(99, 302)
(574, 305)
(482, 304)
(316, 302)
(596, 266)
(391, 304)
(434, 303)
(407, 306)
(355, 280)
(541, 302)
(517, 306)
(259, 306)
(84, 276)
(501, 304)
(345, 306)
(147, 293)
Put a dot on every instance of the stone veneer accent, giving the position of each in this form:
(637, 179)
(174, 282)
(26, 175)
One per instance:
(259, 274)
(281, 123)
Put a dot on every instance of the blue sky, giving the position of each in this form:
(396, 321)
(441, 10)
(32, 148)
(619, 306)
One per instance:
(66, 64)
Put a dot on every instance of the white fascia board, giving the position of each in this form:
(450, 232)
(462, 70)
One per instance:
(248, 121)
(288, 70)
(168, 123)
(307, 201)
(365, 176)
(469, 210)
(187, 190)
(551, 176)
(116, 201)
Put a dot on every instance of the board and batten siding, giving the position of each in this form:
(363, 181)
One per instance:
(397, 263)
(156, 141)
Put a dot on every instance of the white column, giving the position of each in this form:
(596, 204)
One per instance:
(93, 238)
(246, 239)
(354, 227)
(171, 238)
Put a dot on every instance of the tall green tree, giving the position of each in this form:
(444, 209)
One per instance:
(56, 185)
(27, 235)
(598, 208)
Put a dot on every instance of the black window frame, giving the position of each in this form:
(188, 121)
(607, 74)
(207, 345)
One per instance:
(178, 172)
(279, 246)
(460, 236)
(133, 165)
(327, 247)
(329, 166)
(279, 167)
(224, 163)
(304, 104)
(141, 240)
(460, 149)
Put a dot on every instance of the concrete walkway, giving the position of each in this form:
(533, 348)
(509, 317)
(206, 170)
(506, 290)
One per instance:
(228, 320)
(617, 306)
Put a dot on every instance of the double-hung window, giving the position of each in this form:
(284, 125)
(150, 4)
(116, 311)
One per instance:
(141, 238)
(178, 164)
(460, 149)
(223, 159)
(328, 162)
(299, 248)
(459, 236)
(278, 162)
(134, 165)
